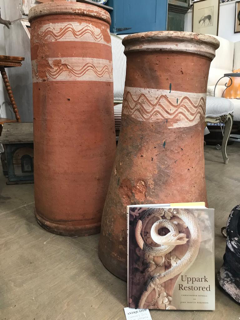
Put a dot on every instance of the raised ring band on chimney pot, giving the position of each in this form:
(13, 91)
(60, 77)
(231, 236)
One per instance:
(172, 41)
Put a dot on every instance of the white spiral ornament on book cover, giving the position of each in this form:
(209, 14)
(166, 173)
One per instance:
(166, 247)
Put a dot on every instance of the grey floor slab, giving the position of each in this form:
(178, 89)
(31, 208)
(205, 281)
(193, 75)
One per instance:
(49, 277)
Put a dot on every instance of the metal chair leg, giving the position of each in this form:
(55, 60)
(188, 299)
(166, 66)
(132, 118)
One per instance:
(228, 128)
(10, 94)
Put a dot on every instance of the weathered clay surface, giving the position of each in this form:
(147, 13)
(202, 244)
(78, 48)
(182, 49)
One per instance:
(160, 156)
(73, 115)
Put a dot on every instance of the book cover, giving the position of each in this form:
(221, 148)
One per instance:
(171, 263)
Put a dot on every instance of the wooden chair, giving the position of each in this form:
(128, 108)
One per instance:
(8, 62)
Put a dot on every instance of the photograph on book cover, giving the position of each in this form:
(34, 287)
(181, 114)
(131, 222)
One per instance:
(171, 258)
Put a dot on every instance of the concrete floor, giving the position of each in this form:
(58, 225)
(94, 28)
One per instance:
(49, 277)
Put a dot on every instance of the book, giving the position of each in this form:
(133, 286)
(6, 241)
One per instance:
(171, 263)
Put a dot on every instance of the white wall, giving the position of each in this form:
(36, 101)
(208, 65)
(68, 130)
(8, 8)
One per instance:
(15, 42)
(226, 22)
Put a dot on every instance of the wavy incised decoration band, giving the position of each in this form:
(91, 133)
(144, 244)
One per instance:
(72, 69)
(71, 32)
(180, 109)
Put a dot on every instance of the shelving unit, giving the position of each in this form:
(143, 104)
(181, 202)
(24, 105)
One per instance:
(176, 13)
(132, 16)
